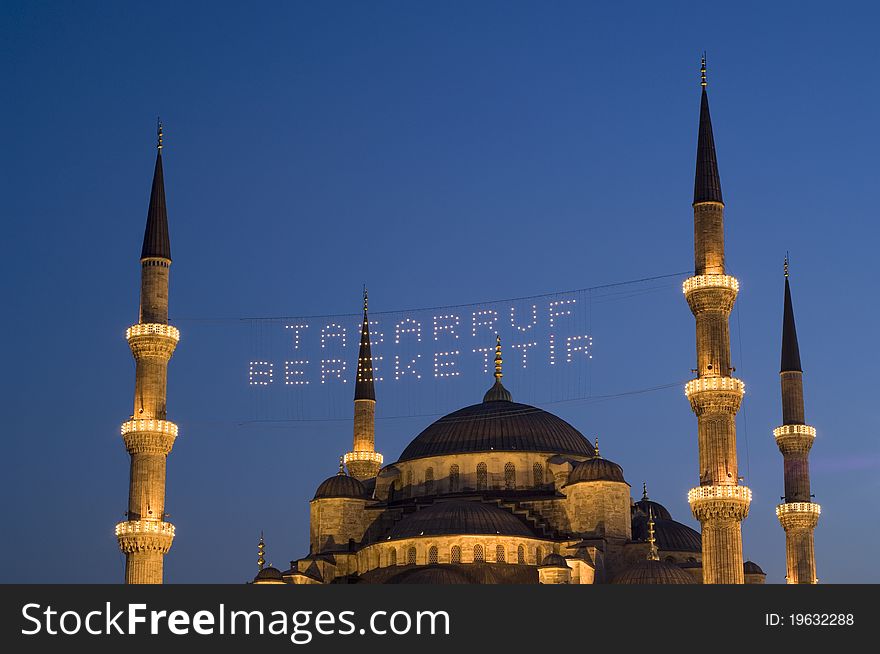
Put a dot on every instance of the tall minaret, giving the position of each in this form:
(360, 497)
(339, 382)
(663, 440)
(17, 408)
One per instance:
(364, 461)
(798, 514)
(145, 537)
(719, 502)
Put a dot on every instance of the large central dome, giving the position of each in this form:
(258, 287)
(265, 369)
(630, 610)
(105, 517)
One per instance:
(498, 425)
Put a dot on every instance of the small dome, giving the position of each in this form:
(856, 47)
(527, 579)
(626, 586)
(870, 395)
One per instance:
(752, 568)
(596, 469)
(653, 572)
(671, 536)
(435, 575)
(340, 486)
(554, 560)
(269, 574)
(457, 518)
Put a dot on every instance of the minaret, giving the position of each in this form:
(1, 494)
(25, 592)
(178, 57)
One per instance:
(797, 514)
(364, 461)
(719, 502)
(145, 537)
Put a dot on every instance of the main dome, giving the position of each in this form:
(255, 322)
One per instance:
(499, 425)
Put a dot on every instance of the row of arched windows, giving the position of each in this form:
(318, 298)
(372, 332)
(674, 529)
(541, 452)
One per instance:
(479, 555)
(482, 483)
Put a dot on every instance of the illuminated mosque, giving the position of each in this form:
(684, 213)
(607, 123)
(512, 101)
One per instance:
(501, 492)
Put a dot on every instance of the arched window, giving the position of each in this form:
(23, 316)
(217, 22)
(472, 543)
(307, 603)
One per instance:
(539, 555)
(409, 481)
(499, 553)
(538, 475)
(509, 476)
(429, 481)
(670, 559)
(455, 554)
(479, 556)
(453, 478)
(411, 556)
(432, 554)
(520, 554)
(482, 477)
(392, 557)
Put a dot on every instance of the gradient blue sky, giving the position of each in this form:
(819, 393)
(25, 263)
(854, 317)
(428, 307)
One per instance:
(444, 153)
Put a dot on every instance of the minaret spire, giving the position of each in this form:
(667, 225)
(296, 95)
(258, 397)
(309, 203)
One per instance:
(719, 502)
(798, 514)
(707, 183)
(364, 461)
(145, 537)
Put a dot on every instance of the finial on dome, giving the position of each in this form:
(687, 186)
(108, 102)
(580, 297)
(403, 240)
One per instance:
(497, 392)
(644, 490)
(341, 466)
(159, 133)
(596, 446)
(261, 552)
(653, 554)
(703, 70)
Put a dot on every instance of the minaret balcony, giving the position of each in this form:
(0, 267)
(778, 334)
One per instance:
(715, 394)
(798, 515)
(373, 457)
(710, 293)
(794, 439)
(148, 436)
(152, 340)
(720, 502)
(144, 536)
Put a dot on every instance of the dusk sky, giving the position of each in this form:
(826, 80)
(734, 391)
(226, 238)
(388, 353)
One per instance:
(443, 153)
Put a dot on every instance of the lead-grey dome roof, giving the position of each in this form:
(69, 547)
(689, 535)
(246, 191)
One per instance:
(460, 517)
(498, 425)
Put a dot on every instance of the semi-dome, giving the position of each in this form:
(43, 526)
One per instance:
(671, 535)
(655, 508)
(498, 424)
(457, 518)
(554, 560)
(340, 485)
(653, 572)
(435, 575)
(596, 469)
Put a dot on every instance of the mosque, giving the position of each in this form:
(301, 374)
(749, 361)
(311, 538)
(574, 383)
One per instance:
(501, 492)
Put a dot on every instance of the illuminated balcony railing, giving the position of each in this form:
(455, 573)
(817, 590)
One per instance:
(142, 329)
(710, 281)
(741, 493)
(714, 384)
(145, 527)
(798, 507)
(363, 456)
(791, 430)
(149, 425)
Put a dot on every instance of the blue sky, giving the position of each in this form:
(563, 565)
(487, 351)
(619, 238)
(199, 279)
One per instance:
(444, 153)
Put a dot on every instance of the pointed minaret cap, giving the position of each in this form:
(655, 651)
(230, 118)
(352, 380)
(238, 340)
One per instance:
(497, 393)
(157, 244)
(791, 356)
(364, 388)
(707, 183)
